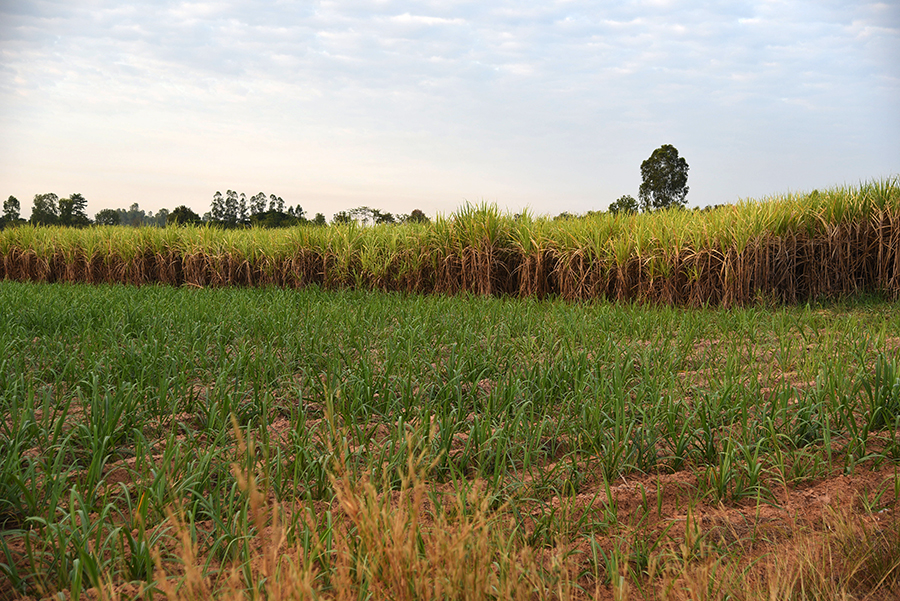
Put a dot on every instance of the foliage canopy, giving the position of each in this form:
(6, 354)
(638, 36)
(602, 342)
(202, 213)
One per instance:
(624, 204)
(664, 177)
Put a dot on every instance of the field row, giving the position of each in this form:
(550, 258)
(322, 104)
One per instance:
(289, 444)
(785, 249)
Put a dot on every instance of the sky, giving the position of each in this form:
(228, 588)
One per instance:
(397, 105)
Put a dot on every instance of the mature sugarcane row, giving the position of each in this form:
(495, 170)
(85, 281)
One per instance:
(722, 257)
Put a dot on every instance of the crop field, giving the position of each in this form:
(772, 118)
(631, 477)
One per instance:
(272, 443)
(789, 248)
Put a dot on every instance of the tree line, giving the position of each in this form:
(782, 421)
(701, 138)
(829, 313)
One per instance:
(229, 210)
(50, 209)
(664, 186)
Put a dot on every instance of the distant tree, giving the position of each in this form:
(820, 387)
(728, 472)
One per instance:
(664, 177)
(297, 213)
(319, 220)
(276, 203)
(231, 204)
(564, 216)
(133, 217)
(45, 210)
(73, 211)
(417, 216)
(274, 219)
(362, 214)
(235, 209)
(217, 207)
(161, 219)
(383, 217)
(182, 215)
(108, 217)
(369, 216)
(342, 217)
(258, 203)
(243, 212)
(624, 204)
(709, 208)
(11, 209)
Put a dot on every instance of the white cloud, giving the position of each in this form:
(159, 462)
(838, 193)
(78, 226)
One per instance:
(504, 100)
(407, 18)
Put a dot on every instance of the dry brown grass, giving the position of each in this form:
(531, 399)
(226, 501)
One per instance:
(427, 542)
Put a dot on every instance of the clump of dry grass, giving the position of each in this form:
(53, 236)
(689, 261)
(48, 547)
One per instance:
(849, 557)
(396, 545)
(402, 545)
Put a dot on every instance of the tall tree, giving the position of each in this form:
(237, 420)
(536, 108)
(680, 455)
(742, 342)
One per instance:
(45, 210)
(231, 207)
(242, 212)
(297, 212)
(258, 203)
(11, 208)
(73, 211)
(276, 203)
(664, 177)
(217, 209)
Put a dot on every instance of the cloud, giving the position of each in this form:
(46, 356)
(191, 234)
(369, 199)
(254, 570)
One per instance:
(407, 18)
(531, 97)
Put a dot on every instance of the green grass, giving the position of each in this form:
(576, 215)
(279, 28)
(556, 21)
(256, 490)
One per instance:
(134, 421)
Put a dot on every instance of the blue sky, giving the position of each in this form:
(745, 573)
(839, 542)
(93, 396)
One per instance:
(401, 105)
